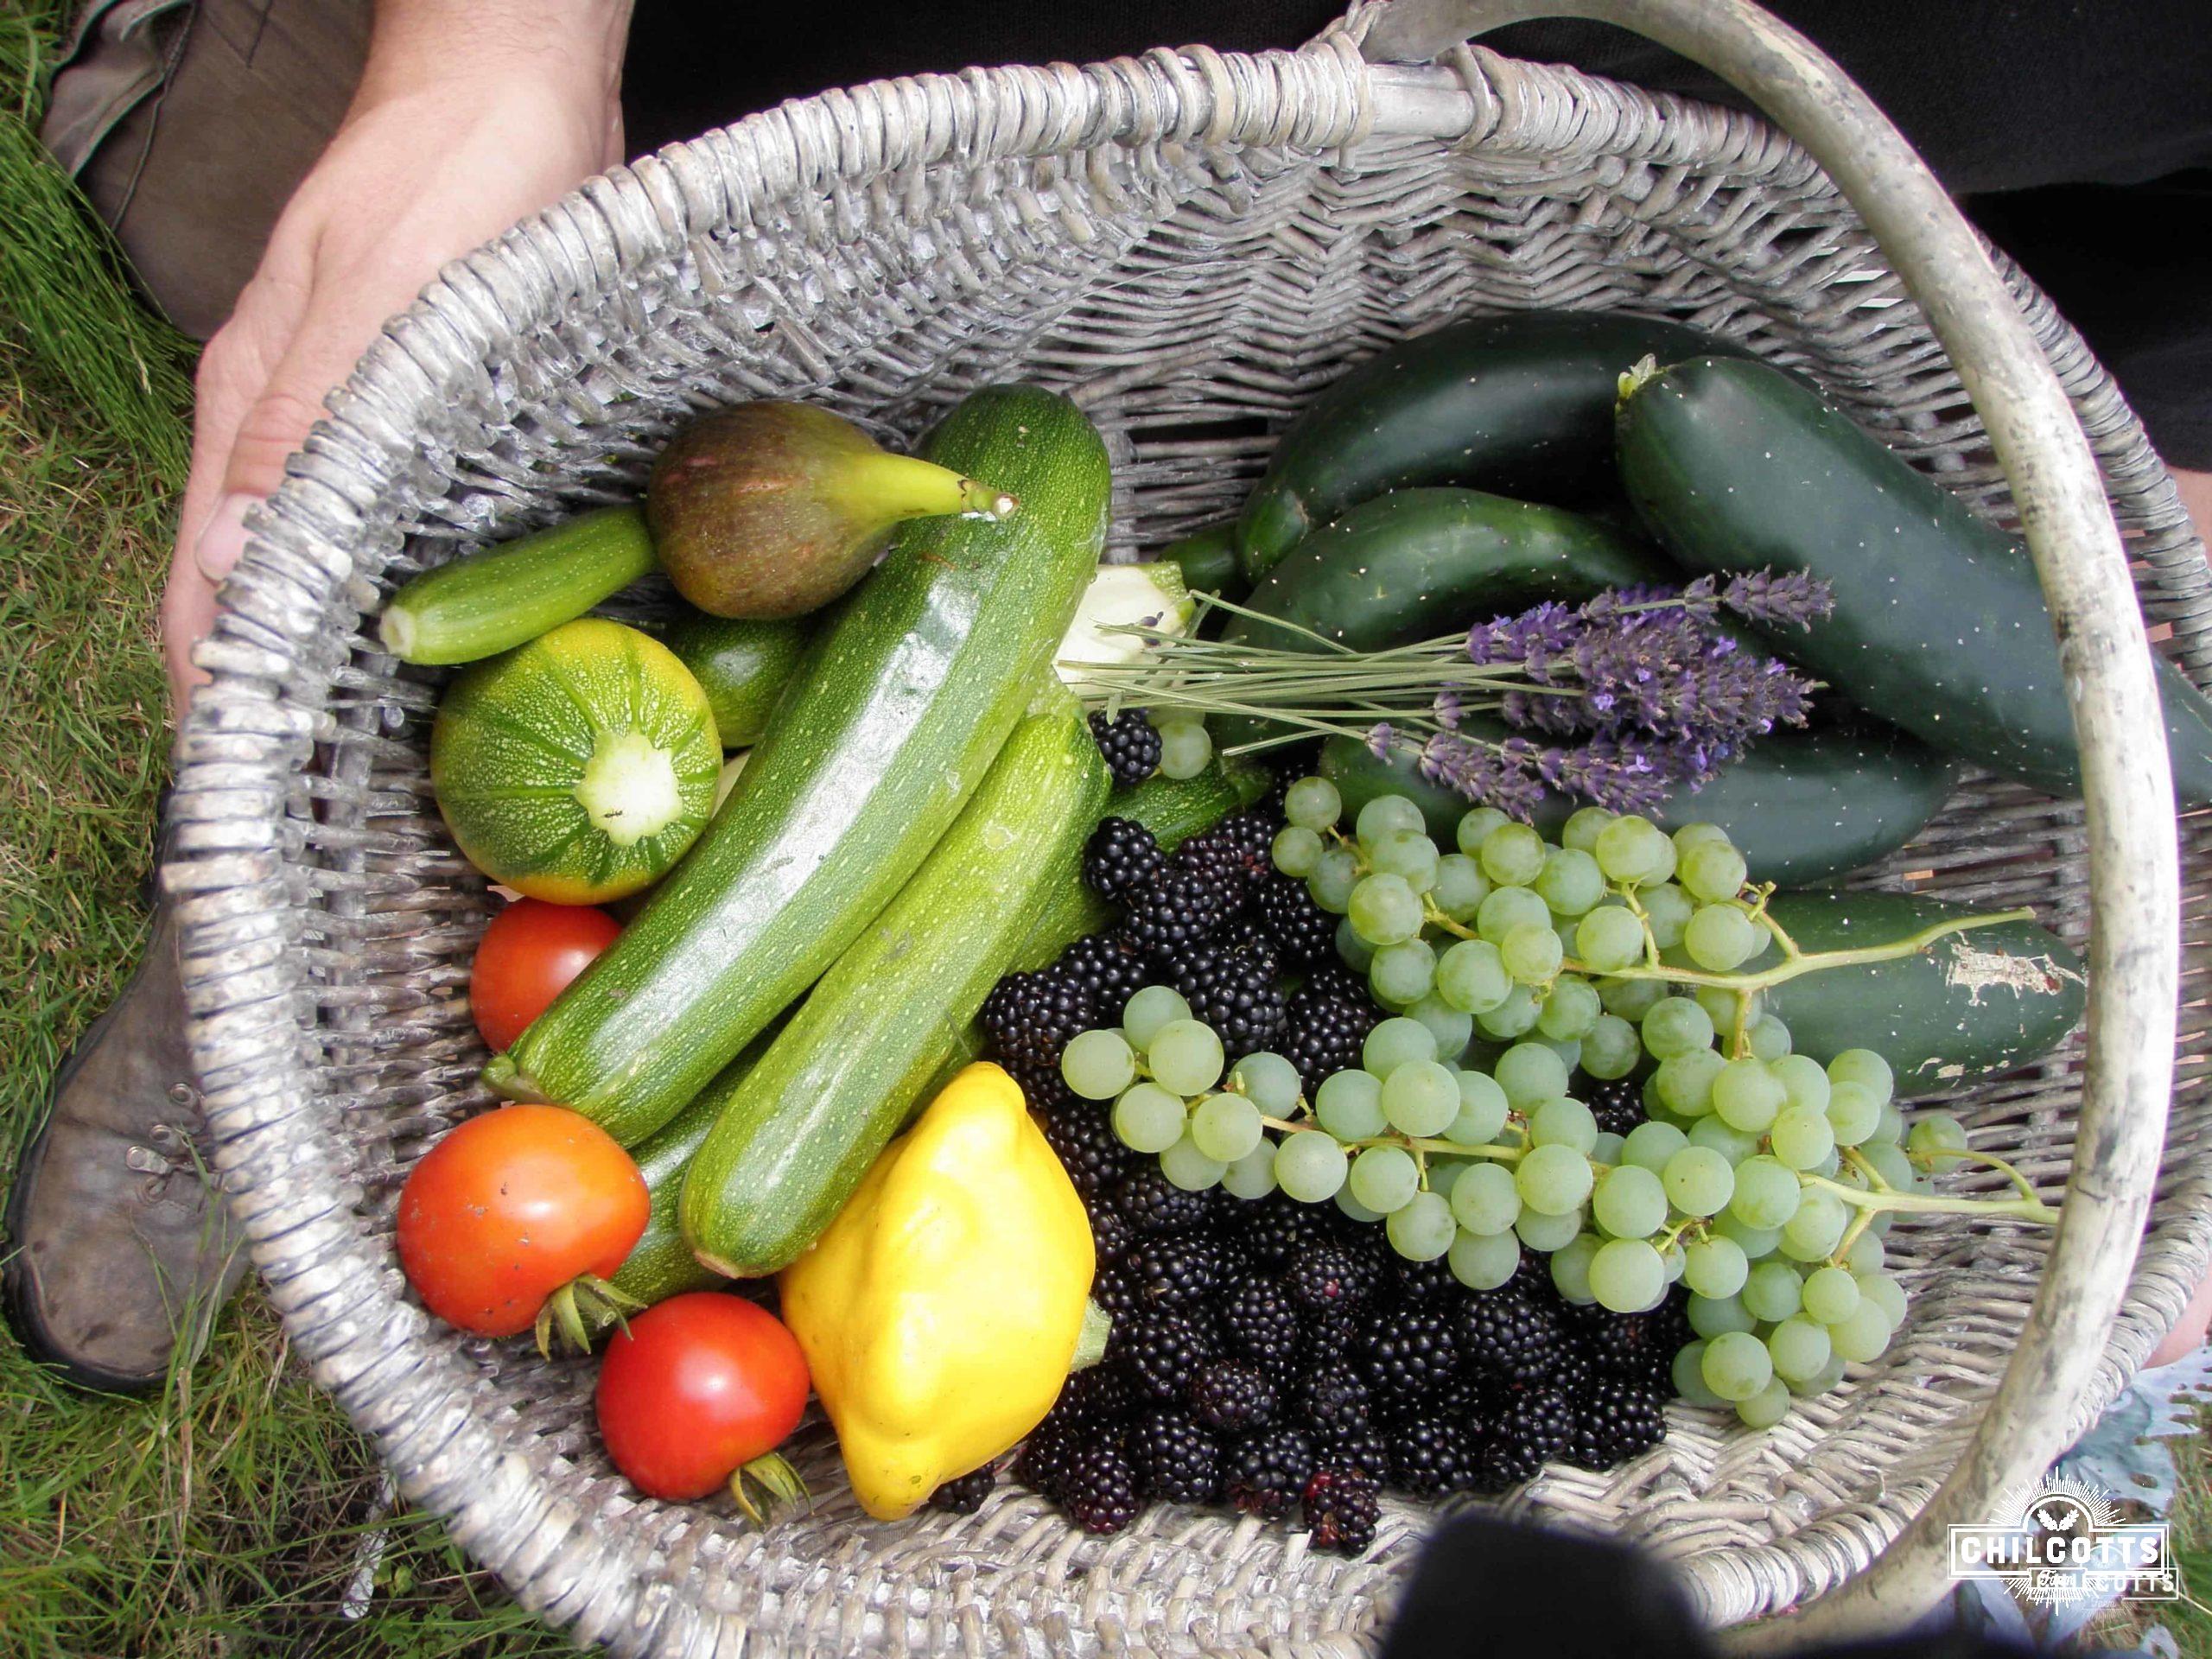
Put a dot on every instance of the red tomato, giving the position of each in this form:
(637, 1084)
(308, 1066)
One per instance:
(697, 1387)
(511, 1206)
(528, 954)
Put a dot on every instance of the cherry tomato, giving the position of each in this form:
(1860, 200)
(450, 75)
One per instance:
(697, 1387)
(511, 1206)
(528, 954)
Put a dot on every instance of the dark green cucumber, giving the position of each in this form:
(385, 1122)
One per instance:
(507, 596)
(1521, 404)
(743, 666)
(904, 696)
(1940, 625)
(1970, 1006)
(801, 1128)
(1208, 560)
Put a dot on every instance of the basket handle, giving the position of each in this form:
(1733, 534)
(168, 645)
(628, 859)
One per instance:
(2128, 783)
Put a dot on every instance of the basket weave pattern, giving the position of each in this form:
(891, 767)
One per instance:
(1192, 245)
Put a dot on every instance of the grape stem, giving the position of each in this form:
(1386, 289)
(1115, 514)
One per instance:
(1796, 962)
(2027, 1209)
(1967, 1154)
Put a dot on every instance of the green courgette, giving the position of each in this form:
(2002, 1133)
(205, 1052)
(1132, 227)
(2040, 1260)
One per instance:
(1940, 625)
(1208, 560)
(507, 596)
(743, 666)
(800, 1130)
(902, 700)
(1521, 404)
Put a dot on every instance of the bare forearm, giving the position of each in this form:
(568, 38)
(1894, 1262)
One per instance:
(420, 43)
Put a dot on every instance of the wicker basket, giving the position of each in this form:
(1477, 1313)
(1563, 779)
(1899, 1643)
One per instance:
(1192, 243)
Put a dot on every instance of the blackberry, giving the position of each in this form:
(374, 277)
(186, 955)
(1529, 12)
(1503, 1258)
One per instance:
(1106, 969)
(1341, 1507)
(1503, 1334)
(1154, 1204)
(1121, 854)
(1331, 1399)
(1176, 908)
(1428, 1455)
(1082, 1136)
(1275, 1228)
(1099, 1489)
(1572, 1374)
(1233, 992)
(1325, 1339)
(1534, 1425)
(1617, 1104)
(1243, 934)
(1239, 848)
(1638, 1346)
(1232, 1395)
(1175, 1460)
(1301, 931)
(1116, 1292)
(1354, 1448)
(1160, 1348)
(1175, 1270)
(1268, 1470)
(1129, 743)
(1261, 1321)
(1418, 1281)
(1323, 1030)
(1367, 1249)
(1410, 1352)
(1324, 1277)
(965, 1494)
(1614, 1419)
(1097, 1398)
(1042, 1463)
(1030, 1017)
(1110, 1234)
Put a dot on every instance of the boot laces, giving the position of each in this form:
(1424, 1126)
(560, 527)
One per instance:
(178, 1145)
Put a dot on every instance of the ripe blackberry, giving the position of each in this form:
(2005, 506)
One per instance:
(1234, 993)
(1268, 1470)
(1354, 1448)
(1617, 1104)
(1368, 1249)
(1342, 1508)
(1153, 1204)
(1097, 1398)
(1243, 934)
(1030, 1017)
(1116, 1292)
(1099, 1489)
(1120, 854)
(1239, 848)
(1572, 1374)
(1325, 1339)
(1505, 1335)
(1428, 1455)
(1533, 1426)
(1275, 1228)
(1331, 1399)
(1410, 1350)
(1175, 1270)
(1260, 1321)
(1129, 743)
(1082, 1135)
(1614, 1419)
(1302, 931)
(1232, 1395)
(1417, 1280)
(1324, 1277)
(1325, 1029)
(1176, 908)
(1160, 1348)
(1108, 969)
(965, 1494)
(1639, 1346)
(1042, 1463)
(1110, 1234)
(1175, 1460)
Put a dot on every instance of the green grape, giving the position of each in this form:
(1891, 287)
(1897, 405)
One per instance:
(1611, 1047)
(1512, 854)
(1150, 1009)
(1767, 1192)
(1553, 1181)
(1474, 828)
(1402, 973)
(1732, 1144)
(1814, 1232)
(1830, 1294)
(1799, 1347)
(1711, 870)
(1384, 1179)
(1633, 850)
(1470, 976)
(1631, 999)
(1627, 1277)
(1583, 827)
(1888, 1160)
(1698, 1180)
(1357, 953)
(1146, 1118)
(1408, 854)
(1313, 803)
(1829, 1375)
(1571, 1011)
(1721, 938)
(1185, 1166)
(1461, 888)
(1562, 1121)
(1864, 1065)
(1515, 1017)
(1685, 1082)
(1349, 1105)
(1252, 1176)
(1507, 908)
(1530, 1073)
(1629, 1202)
(1420, 1097)
(1673, 1260)
(1861, 1336)
(1770, 1039)
(1757, 1243)
(1570, 1266)
(1397, 1042)
(1720, 1005)
(1335, 874)
(1934, 1136)
(1353, 1208)
(1891, 1127)
(1801, 1137)
(1713, 1315)
(1831, 1168)
(1388, 814)
(1736, 1365)
(1607, 1148)
(1225, 1127)
(1532, 953)
(1484, 1199)
(1609, 938)
(1570, 881)
(1184, 749)
(1310, 1166)
(1268, 1081)
(1715, 1266)
(1484, 1261)
(1443, 1174)
(1649, 1146)
(1766, 1407)
(1385, 909)
(1545, 1233)
(1569, 1052)
(1482, 1110)
(1866, 1254)
(1853, 1114)
(1421, 1230)
(1693, 835)
(1451, 1028)
(1747, 1095)
(1689, 1376)
(1667, 910)
(1883, 1290)
(1184, 1056)
(1296, 851)
(1676, 1026)
(1098, 1065)
(1803, 1082)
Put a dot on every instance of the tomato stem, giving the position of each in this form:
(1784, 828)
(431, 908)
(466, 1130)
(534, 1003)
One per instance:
(778, 1481)
(585, 1305)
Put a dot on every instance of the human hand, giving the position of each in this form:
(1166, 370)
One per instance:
(467, 120)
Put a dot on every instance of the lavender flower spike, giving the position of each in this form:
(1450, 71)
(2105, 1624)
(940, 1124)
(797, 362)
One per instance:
(1378, 741)
(1796, 597)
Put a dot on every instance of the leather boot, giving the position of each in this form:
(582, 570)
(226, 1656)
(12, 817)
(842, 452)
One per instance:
(120, 1250)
